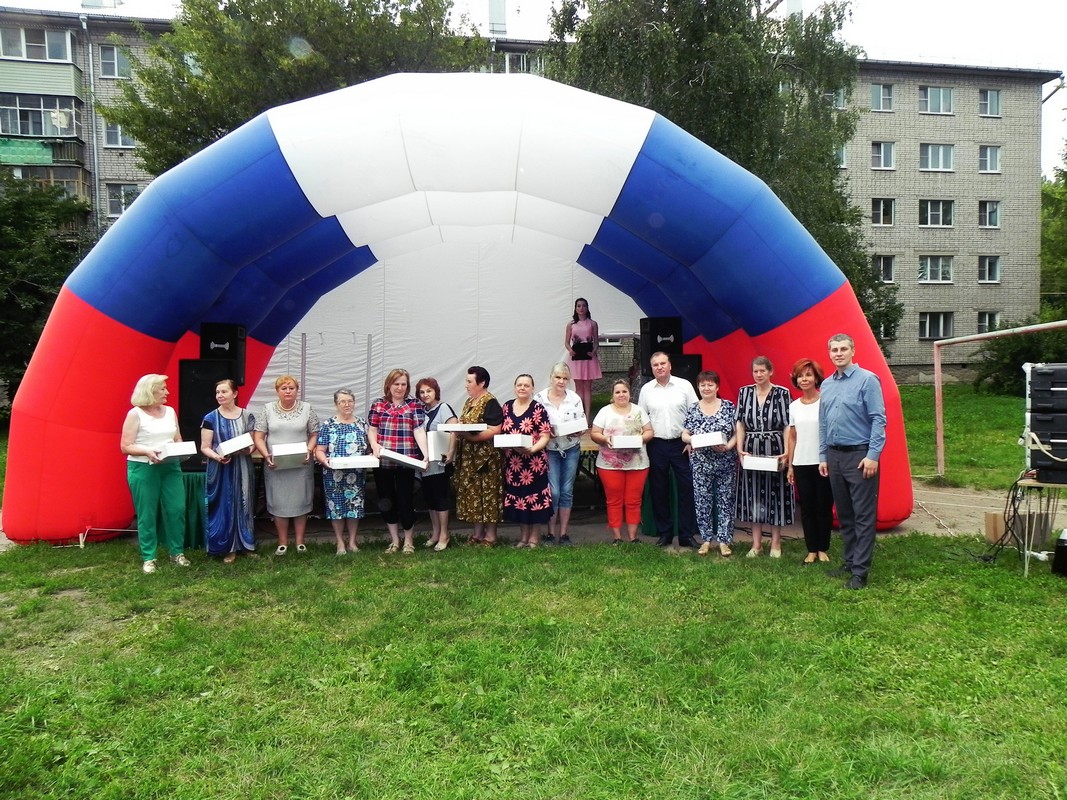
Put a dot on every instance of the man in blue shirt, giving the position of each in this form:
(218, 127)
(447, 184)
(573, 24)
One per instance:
(851, 439)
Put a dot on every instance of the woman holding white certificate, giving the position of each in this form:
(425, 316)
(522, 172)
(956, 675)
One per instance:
(398, 425)
(478, 480)
(435, 476)
(714, 466)
(565, 410)
(230, 481)
(343, 435)
(527, 496)
(623, 470)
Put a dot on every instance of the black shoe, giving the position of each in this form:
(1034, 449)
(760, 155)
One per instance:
(664, 541)
(856, 582)
(565, 541)
(686, 543)
(838, 572)
(548, 538)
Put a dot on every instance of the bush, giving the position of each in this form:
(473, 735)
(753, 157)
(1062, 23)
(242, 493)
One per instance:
(1000, 361)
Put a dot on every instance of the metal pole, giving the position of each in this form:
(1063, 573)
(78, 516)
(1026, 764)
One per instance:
(939, 414)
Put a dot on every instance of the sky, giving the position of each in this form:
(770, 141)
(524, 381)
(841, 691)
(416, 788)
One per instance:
(989, 33)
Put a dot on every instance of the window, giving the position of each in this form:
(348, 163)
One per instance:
(989, 269)
(887, 330)
(882, 209)
(989, 102)
(119, 197)
(988, 321)
(936, 213)
(39, 115)
(882, 155)
(113, 62)
(935, 324)
(836, 98)
(988, 213)
(839, 157)
(935, 269)
(881, 97)
(35, 44)
(114, 137)
(73, 180)
(884, 268)
(988, 158)
(936, 157)
(935, 99)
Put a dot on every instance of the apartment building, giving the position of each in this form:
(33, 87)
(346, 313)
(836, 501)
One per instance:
(53, 66)
(946, 162)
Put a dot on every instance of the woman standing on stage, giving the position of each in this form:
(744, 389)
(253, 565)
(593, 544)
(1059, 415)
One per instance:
(582, 340)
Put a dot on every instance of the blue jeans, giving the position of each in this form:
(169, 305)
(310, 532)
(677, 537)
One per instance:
(562, 469)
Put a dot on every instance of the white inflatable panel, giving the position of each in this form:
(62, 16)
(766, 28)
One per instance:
(386, 220)
(471, 208)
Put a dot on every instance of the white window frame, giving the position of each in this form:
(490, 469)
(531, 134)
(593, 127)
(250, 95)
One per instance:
(935, 157)
(989, 158)
(935, 100)
(989, 269)
(936, 269)
(988, 321)
(120, 197)
(44, 50)
(885, 267)
(936, 213)
(883, 100)
(883, 155)
(841, 157)
(988, 213)
(882, 203)
(989, 102)
(114, 137)
(931, 320)
(114, 63)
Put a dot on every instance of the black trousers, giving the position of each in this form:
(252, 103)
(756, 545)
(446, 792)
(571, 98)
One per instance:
(396, 495)
(816, 506)
(666, 456)
(856, 499)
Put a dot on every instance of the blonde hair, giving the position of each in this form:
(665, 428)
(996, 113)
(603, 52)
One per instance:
(144, 393)
(390, 379)
(284, 379)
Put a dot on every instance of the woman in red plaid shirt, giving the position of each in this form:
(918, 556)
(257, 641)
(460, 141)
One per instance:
(397, 423)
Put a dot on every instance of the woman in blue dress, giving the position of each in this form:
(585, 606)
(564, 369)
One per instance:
(714, 467)
(343, 436)
(230, 483)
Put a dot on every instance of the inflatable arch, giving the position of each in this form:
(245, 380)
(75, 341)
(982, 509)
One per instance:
(256, 227)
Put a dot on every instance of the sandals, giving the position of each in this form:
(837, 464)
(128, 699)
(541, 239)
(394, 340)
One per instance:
(301, 548)
(391, 549)
(704, 549)
(725, 551)
(230, 558)
(282, 550)
(409, 549)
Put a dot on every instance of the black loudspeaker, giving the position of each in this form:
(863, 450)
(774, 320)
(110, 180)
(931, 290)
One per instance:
(659, 334)
(196, 395)
(688, 366)
(222, 341)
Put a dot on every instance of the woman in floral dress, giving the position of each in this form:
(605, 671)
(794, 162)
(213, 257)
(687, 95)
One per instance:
(477, 481)
(527, 496)
(343, 436)
(714, 467)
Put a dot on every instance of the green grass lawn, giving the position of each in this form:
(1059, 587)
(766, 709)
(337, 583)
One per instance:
(589, 672)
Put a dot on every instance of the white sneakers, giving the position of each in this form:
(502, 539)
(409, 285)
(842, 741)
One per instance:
(149, 567)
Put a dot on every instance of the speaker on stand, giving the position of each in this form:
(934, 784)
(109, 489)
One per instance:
(659, 334)
(224, 341)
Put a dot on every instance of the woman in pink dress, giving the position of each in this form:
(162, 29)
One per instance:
(582, 341)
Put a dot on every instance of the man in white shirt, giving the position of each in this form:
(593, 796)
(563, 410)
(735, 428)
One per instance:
(666, 400)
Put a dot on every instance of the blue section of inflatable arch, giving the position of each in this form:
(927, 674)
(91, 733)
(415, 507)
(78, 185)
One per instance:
(685, 216)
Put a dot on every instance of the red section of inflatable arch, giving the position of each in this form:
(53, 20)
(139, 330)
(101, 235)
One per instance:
(67, 420)
(806, 336)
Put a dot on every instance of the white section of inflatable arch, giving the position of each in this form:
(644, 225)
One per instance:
(476, 265)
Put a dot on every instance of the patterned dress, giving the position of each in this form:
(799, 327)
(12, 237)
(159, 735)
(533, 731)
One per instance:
(344, 488)
(764, 497)
(527, 497)
(230, 489)
(477, 481)
(290, 492)
(714, 473)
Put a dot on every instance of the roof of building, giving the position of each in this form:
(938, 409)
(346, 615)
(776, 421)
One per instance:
(1043, 75)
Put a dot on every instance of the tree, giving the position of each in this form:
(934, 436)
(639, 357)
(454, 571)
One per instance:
(38, 250)
(228, 61)
(758, 88)
(1054, 244)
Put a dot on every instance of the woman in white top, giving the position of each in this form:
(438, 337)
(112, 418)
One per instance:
(155, 484)
(563, 406)
(802, 455)
(622, 471)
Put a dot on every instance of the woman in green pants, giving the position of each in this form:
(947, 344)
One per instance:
(155, 483)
